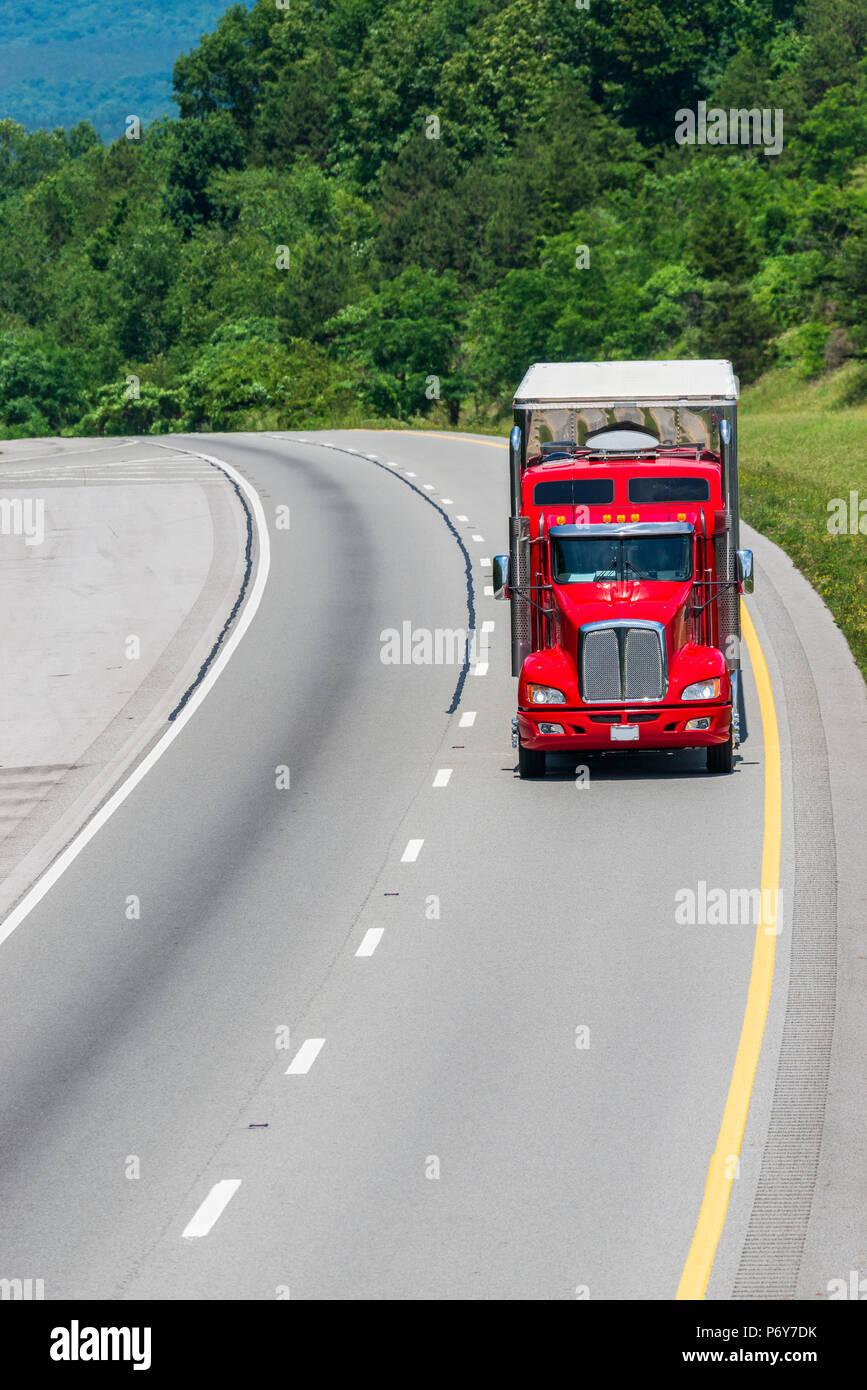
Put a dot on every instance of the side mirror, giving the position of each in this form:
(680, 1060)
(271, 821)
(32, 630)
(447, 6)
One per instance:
(745, 570)
(501, 576)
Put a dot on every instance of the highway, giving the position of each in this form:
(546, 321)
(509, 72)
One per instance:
(393, 1024)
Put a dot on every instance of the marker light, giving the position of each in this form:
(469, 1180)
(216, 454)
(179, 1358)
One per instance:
(681, 516)
(702, 690)
(635, 517)
(621, 516)
(545, 695)
(607, 516)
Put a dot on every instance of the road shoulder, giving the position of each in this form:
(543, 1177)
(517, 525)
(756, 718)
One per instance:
(110, 621)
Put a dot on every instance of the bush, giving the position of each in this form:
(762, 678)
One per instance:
(237, 385)
(117, 409)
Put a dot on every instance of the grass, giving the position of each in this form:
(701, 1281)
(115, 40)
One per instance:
(800, 448)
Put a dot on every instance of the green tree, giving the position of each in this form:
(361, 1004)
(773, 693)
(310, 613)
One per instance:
(199, 149)
(40, 384)
(408, 336)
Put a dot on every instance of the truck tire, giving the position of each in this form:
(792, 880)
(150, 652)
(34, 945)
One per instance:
(531, 761)
(720, 756)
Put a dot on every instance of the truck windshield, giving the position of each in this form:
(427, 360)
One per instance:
(595, 559)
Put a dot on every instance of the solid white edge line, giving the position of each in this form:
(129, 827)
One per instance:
(370, 941)
(80, 841)
(305, 1057)
(211, 1209)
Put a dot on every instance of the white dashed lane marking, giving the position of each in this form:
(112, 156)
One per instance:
(370, 941)
(212, 1208)
(442, 777)
(411, 853)
(467, 720)
(305, 1057)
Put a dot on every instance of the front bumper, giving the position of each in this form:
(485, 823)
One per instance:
(659, 726)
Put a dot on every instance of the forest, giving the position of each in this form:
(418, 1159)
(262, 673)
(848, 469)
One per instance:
(380, 211)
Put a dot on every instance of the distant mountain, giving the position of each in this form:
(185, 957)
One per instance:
(95, 60)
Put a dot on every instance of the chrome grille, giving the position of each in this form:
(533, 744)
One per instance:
(600, 665)
(643, 665)
(622, 664)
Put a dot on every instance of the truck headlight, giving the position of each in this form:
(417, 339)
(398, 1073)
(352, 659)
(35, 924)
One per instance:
(545, 695)
(702, 690)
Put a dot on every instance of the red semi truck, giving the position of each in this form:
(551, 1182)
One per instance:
(624, 572)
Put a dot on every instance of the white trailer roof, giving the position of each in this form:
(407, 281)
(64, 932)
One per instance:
(631, 383)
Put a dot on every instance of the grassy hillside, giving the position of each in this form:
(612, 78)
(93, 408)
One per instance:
(800, 448)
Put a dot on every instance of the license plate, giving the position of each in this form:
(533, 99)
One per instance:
(624, 733)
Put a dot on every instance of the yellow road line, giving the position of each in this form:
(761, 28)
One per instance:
(464, 438)
(723, 1164)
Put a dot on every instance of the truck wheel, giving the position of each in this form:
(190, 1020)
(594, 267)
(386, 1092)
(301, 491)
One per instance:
(720, 756)
(531, 761)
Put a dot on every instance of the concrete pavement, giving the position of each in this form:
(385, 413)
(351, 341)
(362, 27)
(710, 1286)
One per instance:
(108, 615)
(444, 1032)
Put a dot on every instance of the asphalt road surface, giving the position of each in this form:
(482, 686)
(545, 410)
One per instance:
(392, 1024)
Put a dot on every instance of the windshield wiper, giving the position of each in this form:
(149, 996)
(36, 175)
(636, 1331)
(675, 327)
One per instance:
(628, 565)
